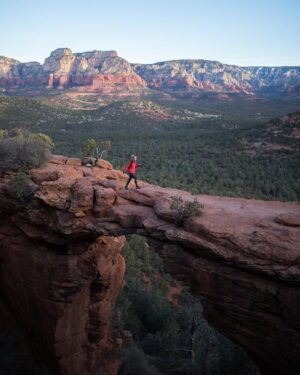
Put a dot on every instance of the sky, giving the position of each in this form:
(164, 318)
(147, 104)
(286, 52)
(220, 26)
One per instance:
(241, 32)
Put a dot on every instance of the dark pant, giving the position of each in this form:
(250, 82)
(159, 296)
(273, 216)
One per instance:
(132, 176)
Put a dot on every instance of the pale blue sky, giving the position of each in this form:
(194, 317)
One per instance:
(242, 32)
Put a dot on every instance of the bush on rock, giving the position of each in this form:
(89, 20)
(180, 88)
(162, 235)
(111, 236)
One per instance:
(24, 151)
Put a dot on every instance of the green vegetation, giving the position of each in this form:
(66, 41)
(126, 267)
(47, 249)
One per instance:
(22, 185)
(185, 209)
(42, 138)
(90, 147)
(24, 151)
(169, 339)
(237, 154)
(106, 146)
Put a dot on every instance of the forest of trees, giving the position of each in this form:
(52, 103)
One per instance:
(225, 156)
(168, 339)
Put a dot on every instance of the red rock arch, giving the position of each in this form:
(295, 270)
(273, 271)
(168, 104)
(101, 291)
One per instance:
(62, 269)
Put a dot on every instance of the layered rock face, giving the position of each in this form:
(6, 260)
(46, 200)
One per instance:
(60, 259)
(108, 74)
(62, 298)
(217, 77)
(102, 71)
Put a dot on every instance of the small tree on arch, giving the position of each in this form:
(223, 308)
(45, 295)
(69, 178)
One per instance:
(90, 147)
(106, 146)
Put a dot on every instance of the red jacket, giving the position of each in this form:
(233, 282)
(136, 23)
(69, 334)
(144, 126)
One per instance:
(131, 166)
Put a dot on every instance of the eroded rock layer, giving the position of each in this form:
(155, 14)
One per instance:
(107, 73)
(60, 259)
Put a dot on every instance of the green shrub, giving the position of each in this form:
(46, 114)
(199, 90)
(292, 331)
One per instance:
(44, 138)
(22, 153)
(90, 147)
(184, 209)
(23, 186)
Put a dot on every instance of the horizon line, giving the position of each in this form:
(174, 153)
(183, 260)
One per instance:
(156, 62)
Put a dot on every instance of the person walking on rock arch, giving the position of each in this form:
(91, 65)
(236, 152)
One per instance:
(130, 169)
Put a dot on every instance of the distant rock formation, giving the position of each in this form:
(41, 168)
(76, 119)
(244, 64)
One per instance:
(108, 74)
(217, 77)
(102, 71)
(61, 268)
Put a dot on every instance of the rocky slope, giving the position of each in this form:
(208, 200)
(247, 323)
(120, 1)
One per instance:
(61, 267)
(107, 73)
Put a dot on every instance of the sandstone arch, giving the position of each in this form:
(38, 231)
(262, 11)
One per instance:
(60, 261)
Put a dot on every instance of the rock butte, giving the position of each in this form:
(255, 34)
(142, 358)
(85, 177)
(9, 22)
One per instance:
(107, 74)
(61, 267)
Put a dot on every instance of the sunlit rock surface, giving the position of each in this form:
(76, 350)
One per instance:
(106, 73)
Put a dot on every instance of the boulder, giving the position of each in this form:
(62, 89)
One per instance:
(104, 164)
(82, 196)
(49, 173)
(104, 200)
(88, 161)
(56, 193)
(288, 220)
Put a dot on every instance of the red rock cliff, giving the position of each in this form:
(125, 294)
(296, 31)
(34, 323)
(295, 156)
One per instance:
(61, 268)
(105, 73)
